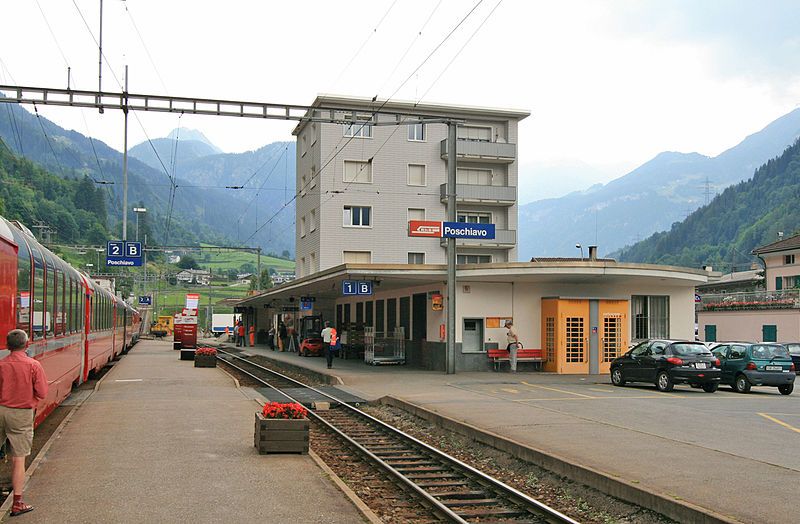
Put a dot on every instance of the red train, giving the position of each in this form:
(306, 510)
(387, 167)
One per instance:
(75, 326)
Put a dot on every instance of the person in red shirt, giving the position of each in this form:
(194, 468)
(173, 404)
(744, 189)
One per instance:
(23, 385)
(240, 331)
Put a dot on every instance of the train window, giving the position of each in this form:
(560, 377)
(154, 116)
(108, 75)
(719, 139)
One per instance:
(23, 287)
(50, 317)
(60, 315)
(79, 308)
(38, 295)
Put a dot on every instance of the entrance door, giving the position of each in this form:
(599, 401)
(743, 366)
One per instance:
(419, 316)
(472, 337)
(613, 319)
(574, 339)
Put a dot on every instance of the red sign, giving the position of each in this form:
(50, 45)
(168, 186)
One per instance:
(424, 228)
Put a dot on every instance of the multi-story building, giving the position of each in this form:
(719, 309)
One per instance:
(359, 185)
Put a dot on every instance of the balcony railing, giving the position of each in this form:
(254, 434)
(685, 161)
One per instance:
(481, 194)
(479, 151)
(503, 239)
(785, 299)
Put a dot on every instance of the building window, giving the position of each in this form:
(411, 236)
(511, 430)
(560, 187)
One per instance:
(303, 226)
(304, 145)
(357, 257)
(313, 264)
(650, 316)
(358, 130)
(472, 217)
(475, 133)
(416, 132)
(473, 259)
(416, 214)
(416, 175)
(302, 189)
(357, 216)
(550, 339)
(788, 259)
(769, 333)
(416, 258)
(358, 172)
(312, 177)
(791, 282)
(302, 265)
(477, 177)
(312, 221)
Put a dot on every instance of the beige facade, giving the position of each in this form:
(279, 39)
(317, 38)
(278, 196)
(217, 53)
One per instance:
(398, 173)
(750, 326)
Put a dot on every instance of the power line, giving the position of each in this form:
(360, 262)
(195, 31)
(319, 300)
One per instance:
(146, 49)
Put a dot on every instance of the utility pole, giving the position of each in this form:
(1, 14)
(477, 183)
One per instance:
(100, 59)
(450, 358)
(125, 162)
(258, 277)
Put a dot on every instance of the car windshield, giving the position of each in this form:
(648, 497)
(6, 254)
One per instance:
(794, 349)
(690, 349)
(768, 352)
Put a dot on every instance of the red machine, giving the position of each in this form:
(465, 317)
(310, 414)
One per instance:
(310, 336)
(75, 326)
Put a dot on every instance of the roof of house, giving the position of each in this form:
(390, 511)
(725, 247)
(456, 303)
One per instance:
(570, 259)
(793, 242)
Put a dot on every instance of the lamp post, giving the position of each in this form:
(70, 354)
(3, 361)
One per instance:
(99, 250)
(581, 248)
(138, 210)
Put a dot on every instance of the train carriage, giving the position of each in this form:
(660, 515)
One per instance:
(75, 326)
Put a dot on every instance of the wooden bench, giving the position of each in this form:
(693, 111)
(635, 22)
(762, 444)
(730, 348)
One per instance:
(497, 356)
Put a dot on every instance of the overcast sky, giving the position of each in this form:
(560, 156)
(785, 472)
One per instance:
(609, 84)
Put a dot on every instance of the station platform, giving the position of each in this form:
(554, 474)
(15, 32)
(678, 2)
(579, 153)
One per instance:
(163, 441)
(687, 445)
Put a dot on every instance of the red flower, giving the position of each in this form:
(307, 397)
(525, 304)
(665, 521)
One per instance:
(211, 352)
(284, 410)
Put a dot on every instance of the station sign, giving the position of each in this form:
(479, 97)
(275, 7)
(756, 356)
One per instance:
(428, 228)
(192, 300)
(145, 300)
(289, 309)
(119, 253)
(356, 287)
(308, 299)
(306, 305)
(698, 298)
(181, 320)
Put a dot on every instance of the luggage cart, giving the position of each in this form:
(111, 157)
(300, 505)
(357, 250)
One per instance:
(384, 350)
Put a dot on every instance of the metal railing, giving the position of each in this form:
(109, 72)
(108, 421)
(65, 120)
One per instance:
(784, 299)
(478, 150)
(482, 194)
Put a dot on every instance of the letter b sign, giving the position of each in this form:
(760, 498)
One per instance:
(133, 249)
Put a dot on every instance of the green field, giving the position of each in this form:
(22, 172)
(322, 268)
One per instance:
(225, 260)
(172, 299)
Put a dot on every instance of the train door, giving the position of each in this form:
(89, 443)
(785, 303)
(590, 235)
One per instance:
(613, 320)
(8, 282)
(574, 336)
(88, 328)
(114, 327)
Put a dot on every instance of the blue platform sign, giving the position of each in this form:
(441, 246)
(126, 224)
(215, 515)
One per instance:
(356, 287)
(145, 300)
(467, 230)
(120, 253)
(306, 305)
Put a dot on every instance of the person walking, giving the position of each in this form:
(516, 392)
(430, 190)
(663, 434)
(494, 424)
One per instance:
(327, 334)
(23, 385)
(513, 345)
(282, 336)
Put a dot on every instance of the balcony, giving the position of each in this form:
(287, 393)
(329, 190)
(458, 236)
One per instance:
(503, 239)
(477, 151)
(786, 299)
(480, 194)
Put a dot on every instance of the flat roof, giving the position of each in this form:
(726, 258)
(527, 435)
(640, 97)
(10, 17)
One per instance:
(427, 108)
(325, 284)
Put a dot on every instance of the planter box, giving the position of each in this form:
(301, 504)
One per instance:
(187, 354)
(205, 361)
(277, 435)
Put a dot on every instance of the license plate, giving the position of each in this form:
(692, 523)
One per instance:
(774, 368)
(700, 365)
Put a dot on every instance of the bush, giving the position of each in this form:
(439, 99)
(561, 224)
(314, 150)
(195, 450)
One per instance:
(211, 352)
(281, 410)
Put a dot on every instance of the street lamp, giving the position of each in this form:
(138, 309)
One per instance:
(99, 250)
(581, 248)
(138, 210)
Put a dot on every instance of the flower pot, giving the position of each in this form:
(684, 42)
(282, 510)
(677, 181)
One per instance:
(205, 361)
(277, 435)
(187, 354)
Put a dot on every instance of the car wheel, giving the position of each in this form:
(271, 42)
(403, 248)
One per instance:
(742, 385)
(616, 377)
(710, 388)
(663, 382)
(786, 389)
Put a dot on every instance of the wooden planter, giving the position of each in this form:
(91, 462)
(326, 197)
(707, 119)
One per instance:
(205, 361)
(187, 353)
(277, 435)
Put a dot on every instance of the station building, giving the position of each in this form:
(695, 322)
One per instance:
(359, 186)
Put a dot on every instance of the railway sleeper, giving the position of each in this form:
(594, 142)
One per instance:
(451, 503)
(403, 463)
(434, 476)
(442, 483)
(422, 469)
(389, 456)
(499, 512)
(459, 494)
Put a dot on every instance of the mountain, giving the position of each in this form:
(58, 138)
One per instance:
(192, 135)
(200, 213)
(180, 146)
(648, 199)
(724, 232)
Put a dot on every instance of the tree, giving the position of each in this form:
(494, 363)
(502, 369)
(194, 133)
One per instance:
(187, 262)
(247, 267)
(286, 254)
(266, 281)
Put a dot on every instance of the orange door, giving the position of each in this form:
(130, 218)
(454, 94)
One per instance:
(573, 343)
(614, 329)
(549, 337)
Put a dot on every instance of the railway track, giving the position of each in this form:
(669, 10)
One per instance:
(451, 490)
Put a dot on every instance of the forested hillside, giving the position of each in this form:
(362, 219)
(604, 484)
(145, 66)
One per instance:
(724, 232)
(72, 206)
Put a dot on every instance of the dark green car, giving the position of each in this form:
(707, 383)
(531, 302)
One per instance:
(746, 365)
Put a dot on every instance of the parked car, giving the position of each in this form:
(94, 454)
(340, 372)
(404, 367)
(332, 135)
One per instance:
(794, 351)
(666, 363)
(762, 364)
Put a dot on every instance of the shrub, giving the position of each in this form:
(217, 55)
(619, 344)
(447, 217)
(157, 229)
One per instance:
(211, 352)
(284, 410)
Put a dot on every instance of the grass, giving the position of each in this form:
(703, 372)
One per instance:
(225, 260)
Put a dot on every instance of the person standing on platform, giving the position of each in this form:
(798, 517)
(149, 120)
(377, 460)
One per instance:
(326, 342)
(240, 332)
(513, 345)
(282, 336)
(332, 347)
(23, 385)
